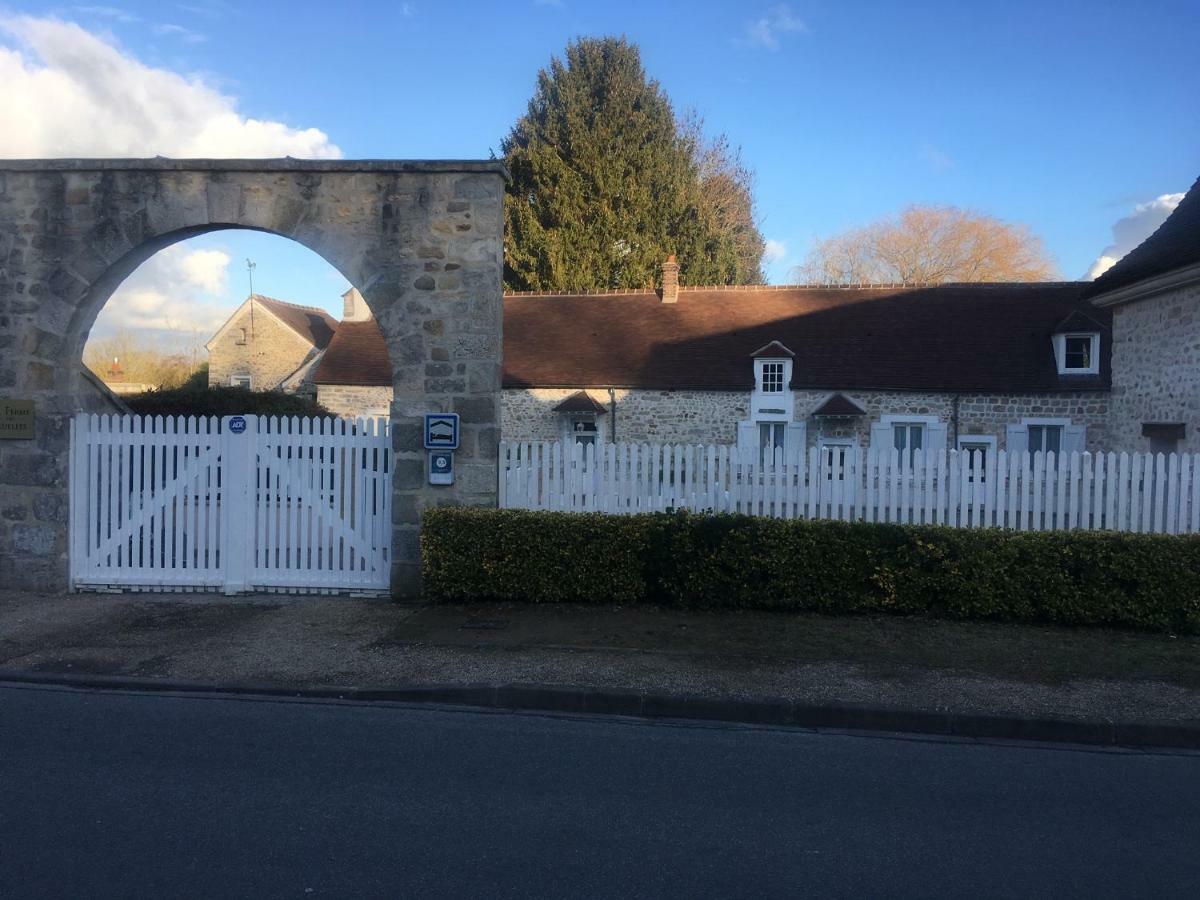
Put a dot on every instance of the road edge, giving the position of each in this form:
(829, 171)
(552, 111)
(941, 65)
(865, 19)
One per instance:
(646, 705)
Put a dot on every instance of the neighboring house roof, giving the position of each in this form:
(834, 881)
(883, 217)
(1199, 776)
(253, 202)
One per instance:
(581, 402)
(991, 338)
(356, 355)
(1174, 245)
(314, 325)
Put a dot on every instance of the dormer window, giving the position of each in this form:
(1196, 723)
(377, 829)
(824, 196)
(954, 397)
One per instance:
(1076, 342)
(1078, 353)
(771, 380)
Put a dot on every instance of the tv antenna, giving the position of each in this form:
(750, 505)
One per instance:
(250, 265)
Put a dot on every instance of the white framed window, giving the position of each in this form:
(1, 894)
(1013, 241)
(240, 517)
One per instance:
(1077, 353)
(907, 434)
(977, 450)
(757, 440)
(242, 381)
(772, 377)
(1042, 435)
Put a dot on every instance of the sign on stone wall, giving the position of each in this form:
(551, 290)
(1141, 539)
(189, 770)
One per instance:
(16, 420)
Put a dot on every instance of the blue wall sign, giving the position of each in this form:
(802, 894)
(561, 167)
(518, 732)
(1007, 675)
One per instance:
(237, 424)
(441, 431)
(441, 467)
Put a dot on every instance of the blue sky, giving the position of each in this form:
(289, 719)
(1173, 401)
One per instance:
(1064, 116)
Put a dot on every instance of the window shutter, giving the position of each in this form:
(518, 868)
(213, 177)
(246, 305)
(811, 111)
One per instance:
(881, 437)
(1074, 439)
(796, 441)
(935, 437)
(747, 437)
(1016, 438)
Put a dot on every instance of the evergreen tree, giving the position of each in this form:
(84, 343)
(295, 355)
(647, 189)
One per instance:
(606, 183)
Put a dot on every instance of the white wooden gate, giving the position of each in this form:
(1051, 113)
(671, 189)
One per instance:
(243, 503)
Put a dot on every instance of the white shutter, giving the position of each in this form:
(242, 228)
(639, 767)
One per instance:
(1016, 438)
(747, 440)
(935, 437)
(1074, 439)
(796, 441)
(881, 436)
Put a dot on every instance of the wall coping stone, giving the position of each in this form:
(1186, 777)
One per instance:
(284, 164)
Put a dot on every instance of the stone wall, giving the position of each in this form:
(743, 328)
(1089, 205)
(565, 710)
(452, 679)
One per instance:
(1156, 367)
(659, 416)
(270, 353)
(352, 400)
(713, 416)
(423, 240)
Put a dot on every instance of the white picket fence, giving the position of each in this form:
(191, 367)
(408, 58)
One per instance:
(236, 503)
(1119, 492)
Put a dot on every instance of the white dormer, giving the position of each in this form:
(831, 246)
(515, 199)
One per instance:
(772, 398)
(1076, 343)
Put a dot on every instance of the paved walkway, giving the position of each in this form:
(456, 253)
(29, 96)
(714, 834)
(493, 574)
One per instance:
(305, 642)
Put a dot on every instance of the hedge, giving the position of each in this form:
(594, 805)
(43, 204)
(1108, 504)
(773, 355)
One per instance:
(701, 561)
(222, 401)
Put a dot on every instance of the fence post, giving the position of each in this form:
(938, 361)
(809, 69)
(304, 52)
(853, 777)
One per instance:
(238, 453)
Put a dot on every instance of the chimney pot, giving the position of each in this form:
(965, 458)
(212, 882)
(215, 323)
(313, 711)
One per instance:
(670, 280)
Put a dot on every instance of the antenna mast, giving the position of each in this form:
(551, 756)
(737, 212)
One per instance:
(250, 264)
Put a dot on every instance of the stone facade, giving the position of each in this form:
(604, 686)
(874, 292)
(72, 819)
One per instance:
(424, 240)
(1156, 367)
(268, 351)
(713, 416)
(354, 400)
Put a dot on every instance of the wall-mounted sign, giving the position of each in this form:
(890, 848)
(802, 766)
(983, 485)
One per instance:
(237, 424)
(441, 431)
(16, 420)
(441, 467)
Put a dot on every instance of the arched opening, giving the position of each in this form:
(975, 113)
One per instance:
(231, 307)
(422, 241)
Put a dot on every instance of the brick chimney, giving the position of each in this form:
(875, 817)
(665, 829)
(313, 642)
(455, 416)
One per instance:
(670, 280)
(354, 307)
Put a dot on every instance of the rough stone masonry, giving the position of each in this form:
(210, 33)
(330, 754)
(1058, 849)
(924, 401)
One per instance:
(422, 241)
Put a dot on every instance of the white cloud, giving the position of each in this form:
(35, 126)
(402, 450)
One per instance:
(1129, 231)
(69, 93)
(178, 296)
(766, 30)
(107, 12)
(185, 34)
(774, 251)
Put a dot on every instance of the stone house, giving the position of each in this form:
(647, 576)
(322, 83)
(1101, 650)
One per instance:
(1153, 295)
(980, 366)
(268, 345)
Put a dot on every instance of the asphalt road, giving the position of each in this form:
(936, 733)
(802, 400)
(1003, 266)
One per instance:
(137, 795)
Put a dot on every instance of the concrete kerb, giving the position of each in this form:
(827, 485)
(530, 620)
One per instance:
(596, 701)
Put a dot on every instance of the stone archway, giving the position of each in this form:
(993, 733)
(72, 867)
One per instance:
(423, 242)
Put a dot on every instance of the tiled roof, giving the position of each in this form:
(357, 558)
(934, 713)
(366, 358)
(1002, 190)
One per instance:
(314, 325)
(356, 355)
(961, 338)
(1174, 245)
(992, 338)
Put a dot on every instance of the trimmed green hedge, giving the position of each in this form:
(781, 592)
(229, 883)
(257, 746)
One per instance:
(742, 562)
(222, 401)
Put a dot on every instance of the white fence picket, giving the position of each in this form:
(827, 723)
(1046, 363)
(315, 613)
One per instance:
(1039, 491)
